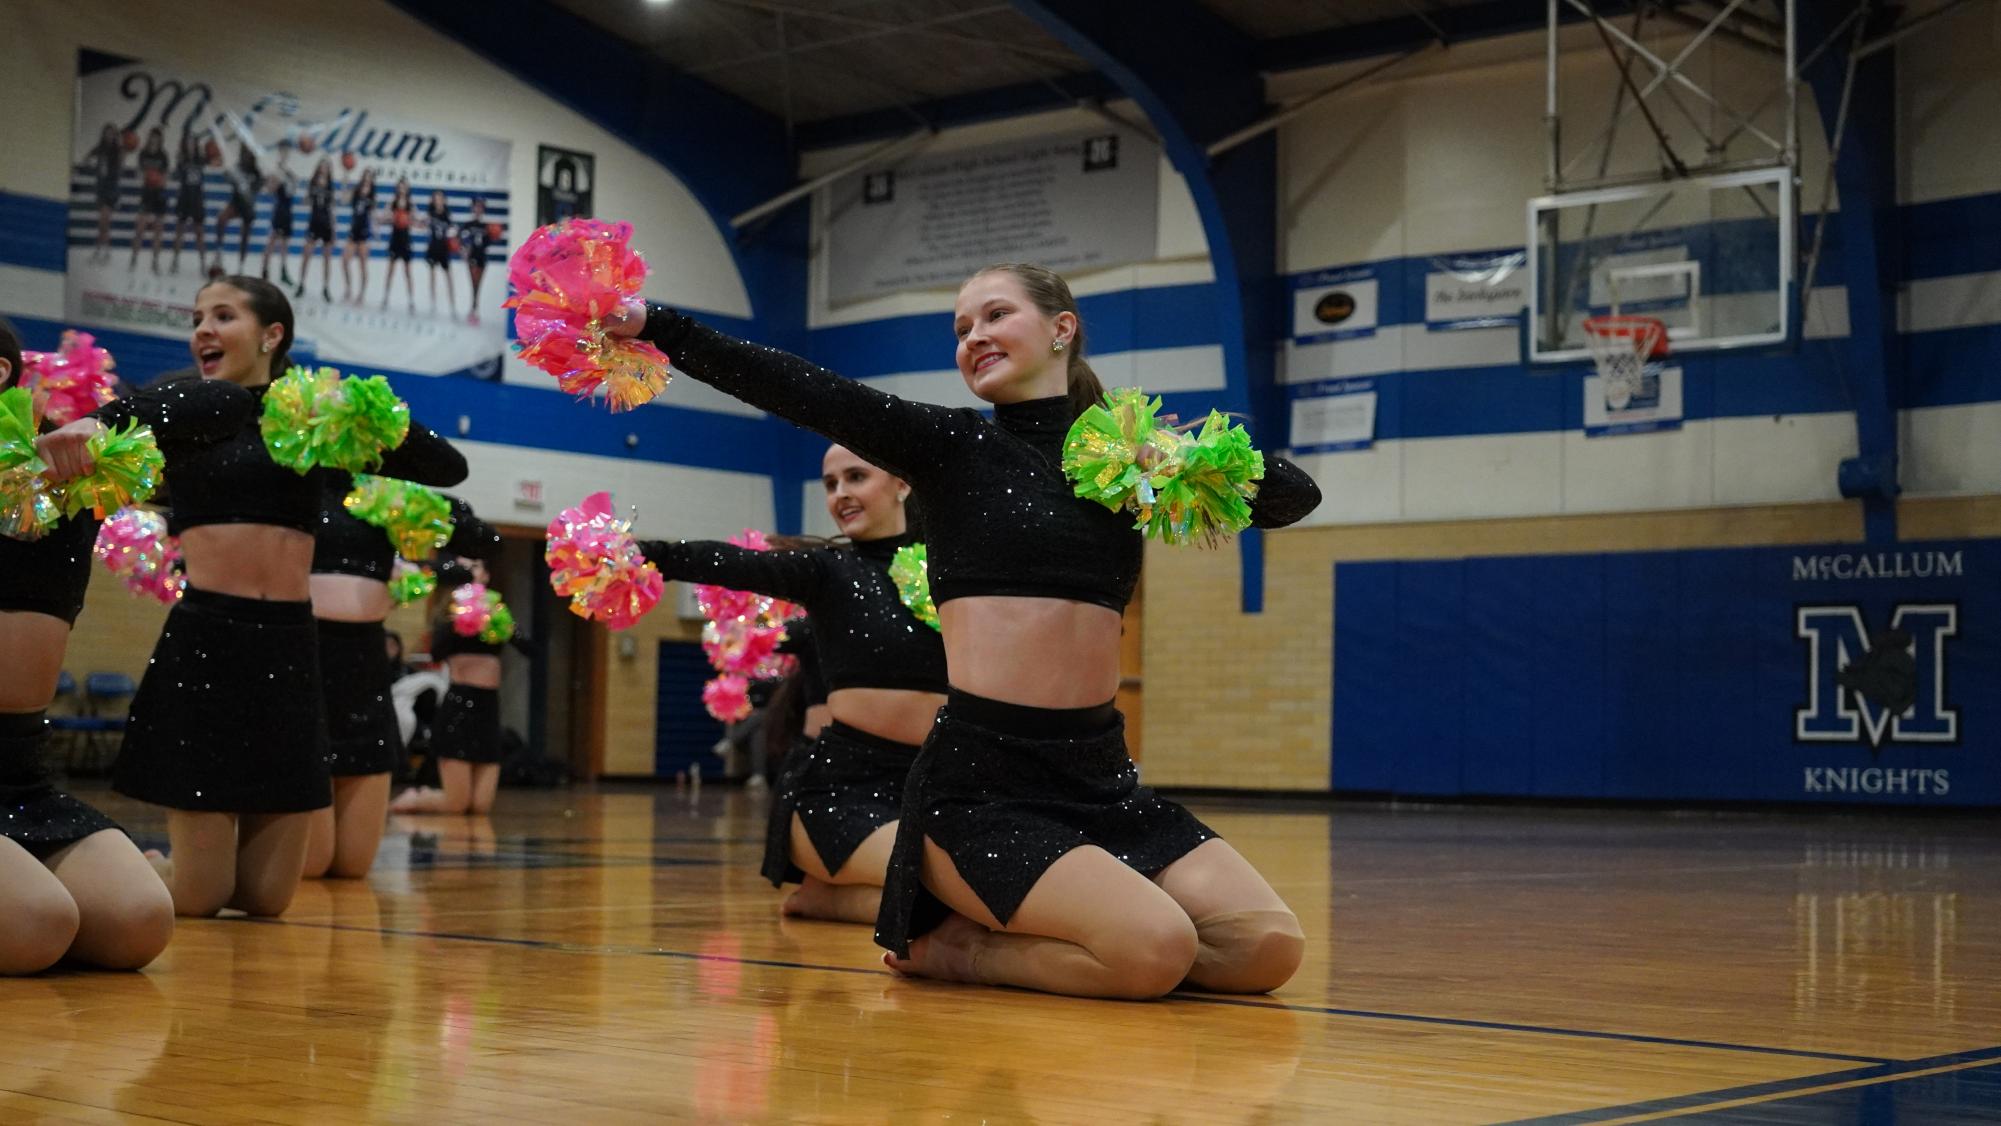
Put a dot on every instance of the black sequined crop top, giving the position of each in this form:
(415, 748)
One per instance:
(801, 645)
(865, 636)
(49, 576)
(346, 545)
(234, 481)
(1000, 516)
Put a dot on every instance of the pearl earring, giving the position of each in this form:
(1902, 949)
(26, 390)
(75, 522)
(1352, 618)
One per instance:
(266, 349)
(1056, 347)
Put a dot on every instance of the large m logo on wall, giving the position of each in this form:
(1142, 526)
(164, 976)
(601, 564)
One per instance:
(1873, 687)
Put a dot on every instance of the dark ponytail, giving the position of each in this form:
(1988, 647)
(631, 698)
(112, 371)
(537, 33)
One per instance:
(1051, 294)
(10, 351)
(270, 306)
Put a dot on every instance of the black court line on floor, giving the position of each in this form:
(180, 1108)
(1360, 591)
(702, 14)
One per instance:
(1885, 1071)
(429, 858)
(1195, 998)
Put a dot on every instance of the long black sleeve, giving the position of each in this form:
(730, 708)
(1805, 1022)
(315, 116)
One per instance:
(424, 458)
(184, 412)
(472, 538)
(1285, 496)
(796, 576)
(901, 436)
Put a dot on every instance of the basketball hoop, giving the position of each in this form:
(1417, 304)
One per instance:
(1621, 347)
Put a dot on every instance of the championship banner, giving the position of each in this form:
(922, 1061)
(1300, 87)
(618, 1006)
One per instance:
(1069, 203)
(380, 227)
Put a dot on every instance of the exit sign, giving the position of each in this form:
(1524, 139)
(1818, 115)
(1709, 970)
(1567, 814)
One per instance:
(527, 494)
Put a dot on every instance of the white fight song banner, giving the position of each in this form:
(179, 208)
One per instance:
(1076, 203)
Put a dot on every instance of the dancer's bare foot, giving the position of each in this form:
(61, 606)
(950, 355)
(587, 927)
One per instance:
(412, 800)
(950, 953)
(839, 903)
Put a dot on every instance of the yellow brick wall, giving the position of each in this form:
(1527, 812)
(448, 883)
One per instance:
(1244, 701)
(116, 631)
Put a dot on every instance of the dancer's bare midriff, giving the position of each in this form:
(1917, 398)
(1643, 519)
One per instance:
(350, 598)
(262, 561)
(1039, 652)
(897, 714)
(474, 670)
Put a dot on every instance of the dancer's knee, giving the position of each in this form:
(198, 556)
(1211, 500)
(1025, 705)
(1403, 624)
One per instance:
(1149, 957)
(129, 933)
(1247, 951)
(41, 925)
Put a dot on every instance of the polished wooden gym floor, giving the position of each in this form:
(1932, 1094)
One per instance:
(610, 955)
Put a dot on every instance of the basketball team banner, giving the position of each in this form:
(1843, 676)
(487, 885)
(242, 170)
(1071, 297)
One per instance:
(1820, 673)
(379, 226)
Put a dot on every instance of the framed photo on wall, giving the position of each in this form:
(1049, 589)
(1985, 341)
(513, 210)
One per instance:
(563, 179)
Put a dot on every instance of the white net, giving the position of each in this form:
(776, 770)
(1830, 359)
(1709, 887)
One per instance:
(1621, 347)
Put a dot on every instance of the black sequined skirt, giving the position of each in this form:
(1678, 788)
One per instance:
(844, 785)
(229, 715)
(362, 736)
(1006, 806)
(467, 726)
(33, 813)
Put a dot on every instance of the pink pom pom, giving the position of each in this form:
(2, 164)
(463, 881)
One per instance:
(739, 646)
(71, 381)
(727, 698)
(595, 562)
(567, 278)
(134, 545)
(470, 610)
(741, 639)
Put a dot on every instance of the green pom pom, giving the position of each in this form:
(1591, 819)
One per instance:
(315, 419)
(910, 569)
(290, 404)
(417, 519)
(1208, 495)
(1179, 489)
(359, 425)
(125, 469)
(500, 625)
(1108, 450)
(17, 429)
(27, 511)
(409, 586)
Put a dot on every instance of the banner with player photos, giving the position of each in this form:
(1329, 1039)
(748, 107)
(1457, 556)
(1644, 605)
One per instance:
(380, 227)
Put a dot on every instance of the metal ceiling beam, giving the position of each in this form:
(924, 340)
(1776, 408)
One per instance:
(1062, 91)
(1194, 76)
(1461, 24)
(928, 27)
(1464, 23)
